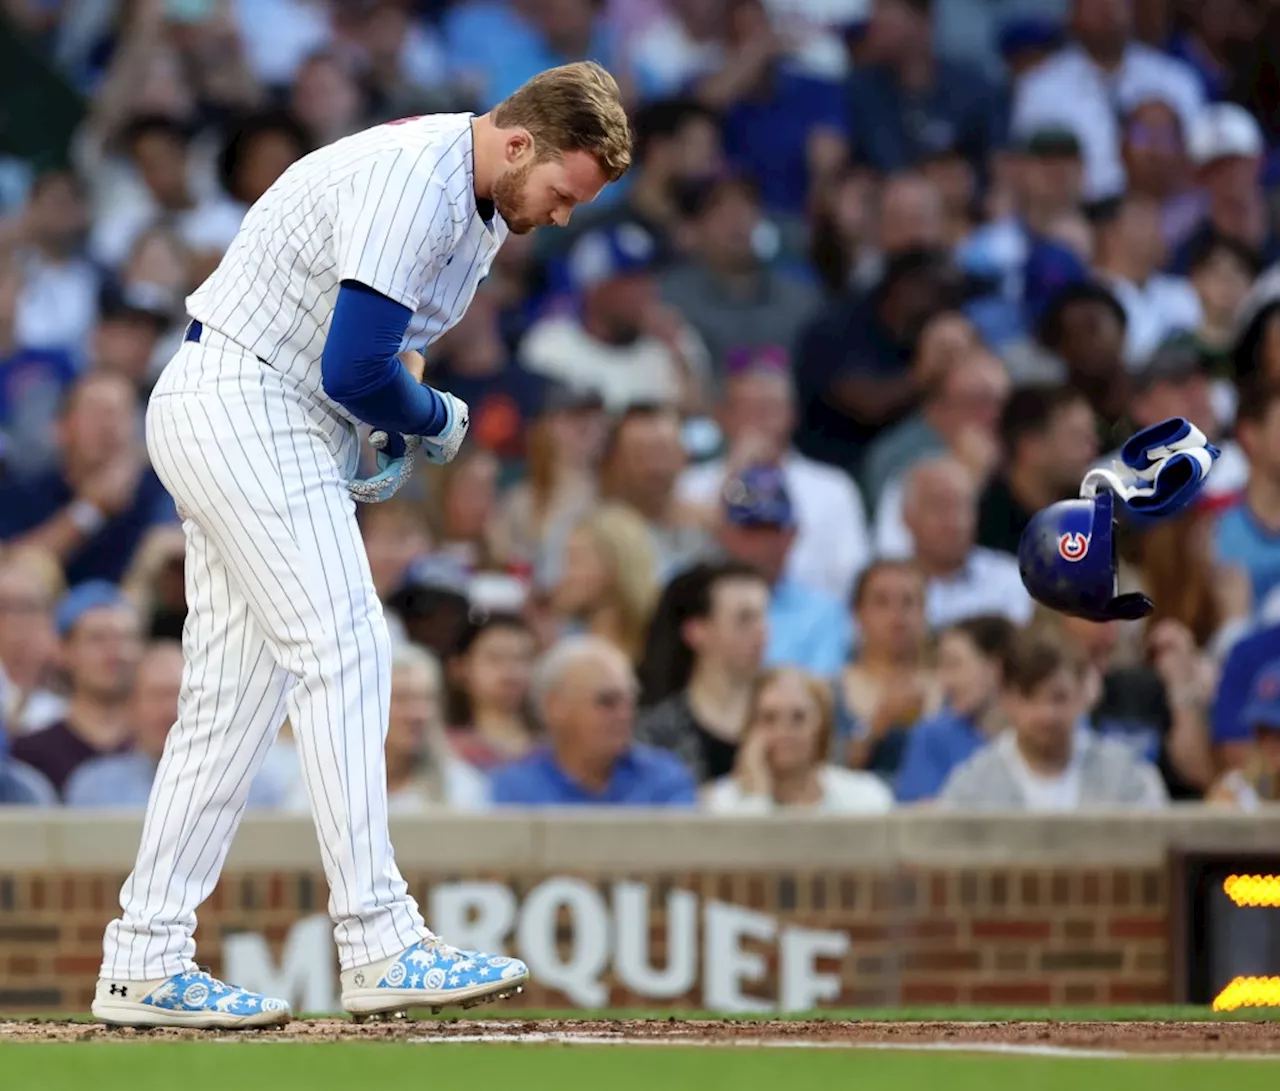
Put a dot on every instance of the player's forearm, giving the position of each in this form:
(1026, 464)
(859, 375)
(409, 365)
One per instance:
(362, 373)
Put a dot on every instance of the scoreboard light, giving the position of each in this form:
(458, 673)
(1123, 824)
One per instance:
(1226, 931)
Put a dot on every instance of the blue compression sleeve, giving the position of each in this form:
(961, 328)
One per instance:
(360, 370)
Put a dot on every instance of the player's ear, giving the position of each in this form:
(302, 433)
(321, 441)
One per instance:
(519, 146)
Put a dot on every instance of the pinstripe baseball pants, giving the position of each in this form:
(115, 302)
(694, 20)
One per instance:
(282, 619)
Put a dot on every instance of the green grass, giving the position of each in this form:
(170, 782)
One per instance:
(357, 1066)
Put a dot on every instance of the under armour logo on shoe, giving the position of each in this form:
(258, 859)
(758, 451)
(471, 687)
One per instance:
(119, 990)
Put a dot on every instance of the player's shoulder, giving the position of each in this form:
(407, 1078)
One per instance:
(431, 150)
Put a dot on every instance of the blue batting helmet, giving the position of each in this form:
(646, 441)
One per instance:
(1067, 557)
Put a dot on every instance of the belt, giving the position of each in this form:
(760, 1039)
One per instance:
(195, 331)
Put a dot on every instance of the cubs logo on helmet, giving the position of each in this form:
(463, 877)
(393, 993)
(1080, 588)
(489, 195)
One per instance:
(1073, 546)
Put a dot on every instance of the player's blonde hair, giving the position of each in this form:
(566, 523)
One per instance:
(575, 107)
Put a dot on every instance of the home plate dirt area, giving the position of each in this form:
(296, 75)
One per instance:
(1123, 1037)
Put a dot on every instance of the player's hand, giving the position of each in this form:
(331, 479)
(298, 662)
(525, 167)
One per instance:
(751, 767)
(112, 488)
(444, 446)
(393, 469)
(900, 703)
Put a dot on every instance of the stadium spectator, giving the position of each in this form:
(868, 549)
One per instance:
(609, 582)
(677, 149)
(1245, 534)
(643, 458)
(563, 452)
(853, 363)
(1085, 85)
(101, 644)
(680, 42)
(1084, 326)
(1046, 184)
(58, 299)
(93, 509)
(702, 657)
(782, 126)
(960, 417)
(1049, 441)
(1257, 780)
(160, 149)
(730, 289)
(33, 383)
(22, 786)
(911, 216)
(1228, 149)
(423, 769)
(30, 583)
(945, 340)
(327, 98)
(1231, 736)
(807, 628)
(1155, 159)
(156, 582)
(914, 103)
(463, 519)
(757, 419)
(1157, 706)
(132, 320)
(782, 761)
(473, 362)
(890, 684)
(489, 674)
(1130, 252)
(260, 149)
(628, 345)
(396, 535)
(940, 508)
(970, 669)
(585, 694)
(1047, 761)
(1221, 270)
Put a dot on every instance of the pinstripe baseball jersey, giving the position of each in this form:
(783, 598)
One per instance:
(393, 207)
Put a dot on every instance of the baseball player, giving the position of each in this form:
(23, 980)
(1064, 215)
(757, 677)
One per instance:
(374, 241)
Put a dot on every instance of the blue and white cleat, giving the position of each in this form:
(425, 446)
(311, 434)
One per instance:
(430, 974)
(196, 999)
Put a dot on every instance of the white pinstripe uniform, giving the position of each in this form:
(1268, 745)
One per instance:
(282, 613)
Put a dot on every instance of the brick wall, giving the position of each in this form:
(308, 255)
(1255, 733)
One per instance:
(917, 935)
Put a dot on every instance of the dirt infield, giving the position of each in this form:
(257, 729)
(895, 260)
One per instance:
(1146, 1038)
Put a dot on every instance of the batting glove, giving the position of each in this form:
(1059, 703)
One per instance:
(393, 469)
(443, 447)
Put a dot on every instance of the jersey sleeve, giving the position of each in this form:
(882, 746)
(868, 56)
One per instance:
(395, 223)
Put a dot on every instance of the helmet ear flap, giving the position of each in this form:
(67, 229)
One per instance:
(1129, 607)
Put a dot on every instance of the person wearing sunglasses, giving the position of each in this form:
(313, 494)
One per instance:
(584, 692)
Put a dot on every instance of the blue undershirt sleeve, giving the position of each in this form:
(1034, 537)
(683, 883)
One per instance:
(360, 370)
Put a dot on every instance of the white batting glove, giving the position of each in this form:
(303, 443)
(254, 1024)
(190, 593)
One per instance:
(444, 446)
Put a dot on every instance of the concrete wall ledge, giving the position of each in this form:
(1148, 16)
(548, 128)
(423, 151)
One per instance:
(600, 840)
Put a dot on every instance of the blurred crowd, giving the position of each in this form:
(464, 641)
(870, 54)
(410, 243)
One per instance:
(753, 440)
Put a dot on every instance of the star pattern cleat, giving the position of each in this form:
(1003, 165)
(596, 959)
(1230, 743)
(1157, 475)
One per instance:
(196, 999)
(430, 974)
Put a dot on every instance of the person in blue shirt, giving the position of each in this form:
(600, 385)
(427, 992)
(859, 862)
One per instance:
(585, 693)
(914, 104)
(32, 385)
(807, 628)
(94, 507)
(1232, 734)
(1248, 533)
(783, 128)
(970, 666)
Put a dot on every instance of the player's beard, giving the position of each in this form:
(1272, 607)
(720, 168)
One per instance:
(509, 200)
